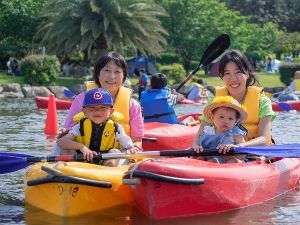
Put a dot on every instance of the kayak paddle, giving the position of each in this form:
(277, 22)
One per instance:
(213, 51)
(10, 162)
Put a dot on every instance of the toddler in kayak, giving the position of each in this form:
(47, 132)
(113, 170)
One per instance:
(96, 132)
(224, 130)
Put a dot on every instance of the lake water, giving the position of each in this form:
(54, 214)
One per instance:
(21, 131)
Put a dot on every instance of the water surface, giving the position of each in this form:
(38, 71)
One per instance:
(21, 131)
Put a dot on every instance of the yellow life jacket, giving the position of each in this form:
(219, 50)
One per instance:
(121, 106)
(297, 85)
(203, 89)
(107, 139)
(252, 104)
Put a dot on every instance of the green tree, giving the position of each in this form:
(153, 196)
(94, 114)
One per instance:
(283, 12)
(72, 25)
(18, 24)
(194, 23)
(287, 43)
(292, 24)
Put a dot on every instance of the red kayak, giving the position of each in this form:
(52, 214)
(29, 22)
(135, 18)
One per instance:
(181, 187)
(294, 105)
(42, 103)
(164, 136)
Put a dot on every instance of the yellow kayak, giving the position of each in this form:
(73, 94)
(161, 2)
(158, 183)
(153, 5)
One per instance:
(75, 188)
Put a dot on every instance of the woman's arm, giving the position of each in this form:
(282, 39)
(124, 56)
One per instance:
(264, 133)
(74, 109)
(136, 123)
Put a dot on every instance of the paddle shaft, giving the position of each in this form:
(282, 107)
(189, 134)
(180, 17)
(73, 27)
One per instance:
(191, 74)
(146, 154)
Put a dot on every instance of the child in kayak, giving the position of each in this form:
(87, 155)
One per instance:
(97, 132)
(224, 114)
(158, 101)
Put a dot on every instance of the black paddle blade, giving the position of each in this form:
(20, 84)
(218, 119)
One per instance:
(214, 50)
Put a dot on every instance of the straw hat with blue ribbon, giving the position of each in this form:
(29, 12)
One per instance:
(225, 101)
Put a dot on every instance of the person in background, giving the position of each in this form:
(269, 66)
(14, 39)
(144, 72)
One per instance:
(66, 69)
(240, 83)
(8, 65)
(224, 114)
(289, 94)
(295, 84)
(110, 73)
(197, 91)
(288, 59)
(269, 64)
(143, 81)
(97, 131)
(157, 102)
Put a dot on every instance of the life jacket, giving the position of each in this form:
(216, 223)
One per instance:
(121, 105)
(201, 87)
(156, 107)
(252, 104)
(297, 85)
(105, 139)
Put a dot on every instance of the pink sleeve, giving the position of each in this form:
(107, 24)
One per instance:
(136, 119)
(75, 108)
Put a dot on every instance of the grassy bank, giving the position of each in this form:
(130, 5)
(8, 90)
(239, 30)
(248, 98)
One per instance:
(61, 81)
(266, 80)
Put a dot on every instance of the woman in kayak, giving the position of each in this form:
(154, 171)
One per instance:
(224, 114)
(241, 83)
(110, 73)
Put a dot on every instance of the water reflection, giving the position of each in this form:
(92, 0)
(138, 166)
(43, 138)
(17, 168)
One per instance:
(281, 210)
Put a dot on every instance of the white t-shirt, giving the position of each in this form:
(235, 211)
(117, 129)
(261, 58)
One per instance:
(124, 140)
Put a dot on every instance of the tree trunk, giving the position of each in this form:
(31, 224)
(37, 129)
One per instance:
(101, 46)
(86, 56)
(138, 52)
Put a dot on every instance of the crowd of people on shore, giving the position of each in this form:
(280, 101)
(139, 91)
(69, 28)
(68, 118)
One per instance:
(105, 118)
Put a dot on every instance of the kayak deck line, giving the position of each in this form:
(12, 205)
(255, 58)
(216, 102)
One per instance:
(164, 178)
(70, 180)
(56, 176)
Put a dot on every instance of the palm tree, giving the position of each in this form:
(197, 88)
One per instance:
(72, 25)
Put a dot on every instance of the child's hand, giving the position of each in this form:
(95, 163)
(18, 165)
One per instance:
(87, 153)
(197, 148)
(133, 150)
(224, 148)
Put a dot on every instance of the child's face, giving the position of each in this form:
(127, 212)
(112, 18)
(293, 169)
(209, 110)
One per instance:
(224, 119)
(98, 113)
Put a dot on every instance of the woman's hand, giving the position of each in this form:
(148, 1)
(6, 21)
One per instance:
(134, 149)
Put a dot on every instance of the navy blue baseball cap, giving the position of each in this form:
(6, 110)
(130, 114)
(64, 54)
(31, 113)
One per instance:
(97, 96)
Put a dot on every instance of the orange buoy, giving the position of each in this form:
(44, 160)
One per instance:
(51, 120)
